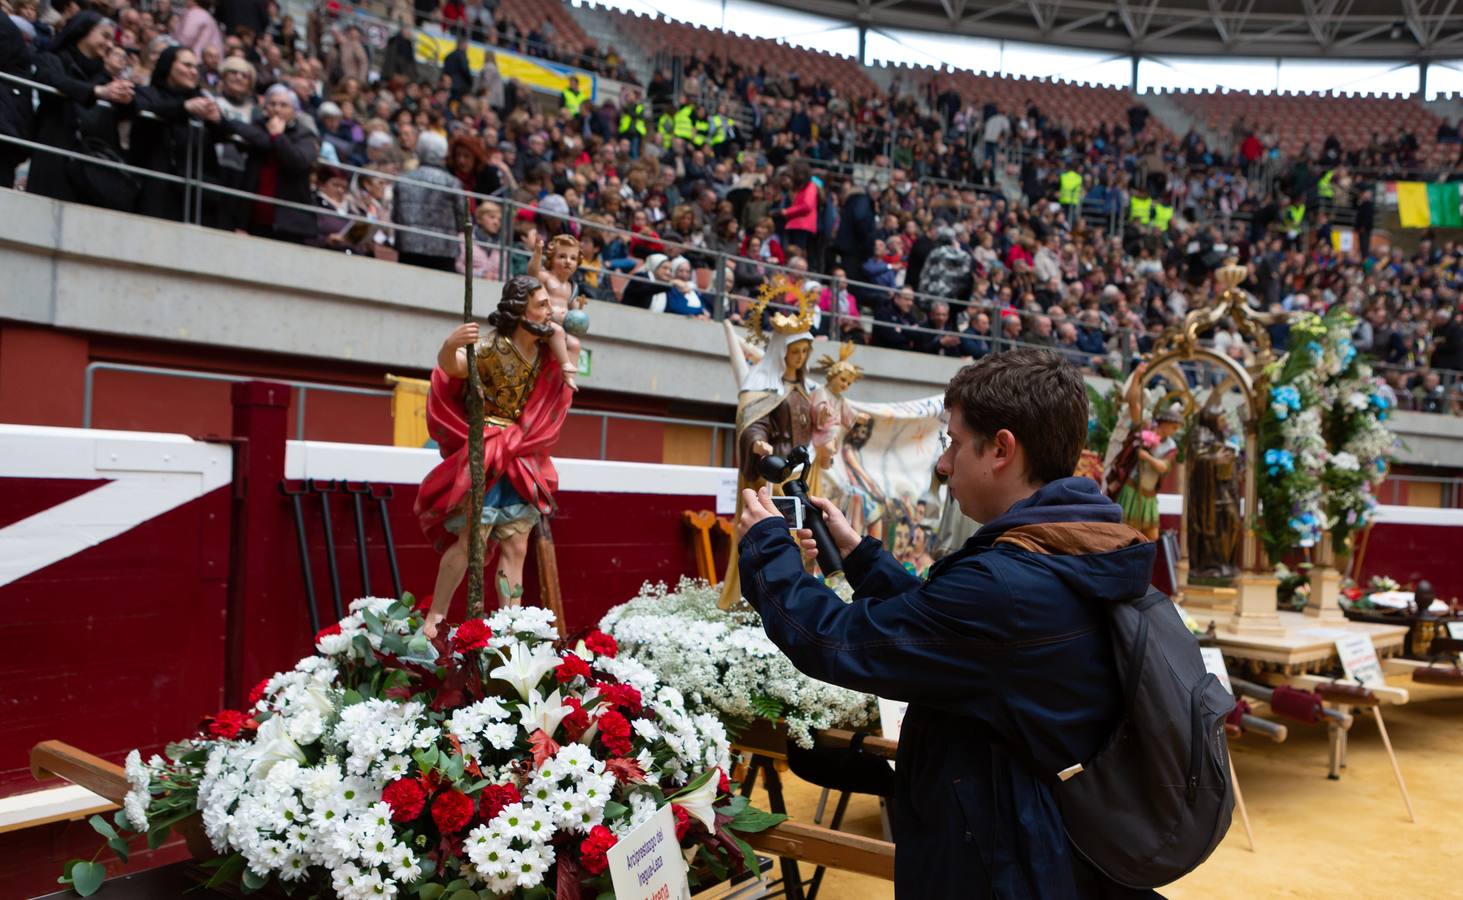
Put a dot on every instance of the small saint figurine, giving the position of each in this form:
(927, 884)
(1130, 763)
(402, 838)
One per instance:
(1212, 497)
(525, 403)
(832, 413)
(1146, 456)
(569, 318)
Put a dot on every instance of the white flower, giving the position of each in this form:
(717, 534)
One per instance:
(1356, 400)
(135, 807)
(501, 735)
(404, 865)
(1346, 462)
(543, 713)
(272, 743)
(699, 802)
(525, 668)
(489, 848)
(529, 868)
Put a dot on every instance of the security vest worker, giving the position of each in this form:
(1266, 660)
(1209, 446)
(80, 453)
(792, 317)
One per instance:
(1325, 189)
(666, 125)
(632, 120)
(720, 129)
(1070, 192)
(1140, 209)
(1294, 215)
(703, 128)
(685, 122)
(573, 97)
(1162, 215)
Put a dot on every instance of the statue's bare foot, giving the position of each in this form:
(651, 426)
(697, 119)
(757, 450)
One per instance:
(430, 627)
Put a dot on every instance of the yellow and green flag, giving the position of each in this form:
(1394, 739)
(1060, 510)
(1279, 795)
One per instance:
(1422, 205)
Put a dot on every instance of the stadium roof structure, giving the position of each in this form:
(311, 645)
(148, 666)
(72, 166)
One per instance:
(1335, 29)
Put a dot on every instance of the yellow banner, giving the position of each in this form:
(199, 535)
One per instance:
(409, 411)
(1412, 204)
(546, 76)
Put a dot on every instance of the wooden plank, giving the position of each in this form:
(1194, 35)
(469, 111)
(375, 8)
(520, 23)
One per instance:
(57, 804)
(825, 847)
(61, 760)
(1393, 695)
(872, 745)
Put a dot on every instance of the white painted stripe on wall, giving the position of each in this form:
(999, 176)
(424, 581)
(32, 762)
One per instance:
(146, 475)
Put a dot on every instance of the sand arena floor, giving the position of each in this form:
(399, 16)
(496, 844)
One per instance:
(1315, 838)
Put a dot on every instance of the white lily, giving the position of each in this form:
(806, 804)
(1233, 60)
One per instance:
(544, 712)
(524, 669)
(272, 744)
(699, 802)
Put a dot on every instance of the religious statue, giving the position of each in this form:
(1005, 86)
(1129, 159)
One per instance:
(1212, 497)
(775, 403)
(1146, 456)
(569, 319)
(832, 413)
(525, 404)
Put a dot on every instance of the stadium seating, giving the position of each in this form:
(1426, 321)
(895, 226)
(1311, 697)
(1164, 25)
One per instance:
(1078, 105)
(655, 35)
(1301, 119)
(529, 15)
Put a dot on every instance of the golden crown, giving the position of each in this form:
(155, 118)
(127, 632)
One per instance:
(784, 290)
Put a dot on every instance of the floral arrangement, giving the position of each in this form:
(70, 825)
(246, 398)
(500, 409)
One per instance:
(1322, 437)
(491, 761)
(723, 663)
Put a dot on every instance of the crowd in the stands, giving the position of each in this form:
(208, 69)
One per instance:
(943, 224)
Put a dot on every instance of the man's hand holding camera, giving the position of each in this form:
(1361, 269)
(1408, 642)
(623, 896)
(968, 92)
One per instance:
(757, 505)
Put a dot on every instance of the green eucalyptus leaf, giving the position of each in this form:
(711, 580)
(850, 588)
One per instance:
(613, 810)
(227, 871)
(430, 891)
(102, 827)
(87, 877)
(119, 847)
(752, 820)
(464, 894)
(253, 881)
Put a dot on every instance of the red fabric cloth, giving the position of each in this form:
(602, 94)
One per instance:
(1302, 706)
(519, 452)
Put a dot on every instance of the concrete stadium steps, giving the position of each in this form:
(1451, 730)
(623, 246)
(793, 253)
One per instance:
(602, 26)
(1180, 121)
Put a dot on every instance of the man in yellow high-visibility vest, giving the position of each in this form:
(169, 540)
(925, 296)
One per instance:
(1069, 193)
(632, 121)
(573, 97)
(685, 121)
(1140, 207)
(1162, 216)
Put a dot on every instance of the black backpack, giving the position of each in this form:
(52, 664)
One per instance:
(1157, 798)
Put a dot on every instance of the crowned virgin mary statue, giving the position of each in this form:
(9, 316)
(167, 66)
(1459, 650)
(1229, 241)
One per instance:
(775, 402)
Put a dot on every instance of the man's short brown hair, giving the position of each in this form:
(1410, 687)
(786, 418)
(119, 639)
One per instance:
(1036, 395)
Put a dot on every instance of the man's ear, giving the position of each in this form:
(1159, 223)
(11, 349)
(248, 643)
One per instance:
(1005, 448)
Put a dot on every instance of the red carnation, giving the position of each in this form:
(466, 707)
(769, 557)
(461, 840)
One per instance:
(327, 631)
(471, 635)
(577, 722)
(614, 733)
(622, 696)
(452, 810)
(601, 644)
(228, 724)
(723, 784)
(496, 796)
(572, 667)
(406, 799)
(683, 820)
(592, 849)
(258, 693)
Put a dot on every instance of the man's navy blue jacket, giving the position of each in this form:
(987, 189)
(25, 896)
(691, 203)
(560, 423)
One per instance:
(1004, 657)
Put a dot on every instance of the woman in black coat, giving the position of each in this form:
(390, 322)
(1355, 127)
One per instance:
(160, 140)
(74, 67)
(282, 152)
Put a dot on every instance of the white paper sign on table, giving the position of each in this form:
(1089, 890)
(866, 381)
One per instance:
(647, 864)
(1359, 660)
(1214, 664)
(726, 494)
(891, 717)
(1455, 631)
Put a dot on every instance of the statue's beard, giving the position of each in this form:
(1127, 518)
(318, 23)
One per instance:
(537, 329)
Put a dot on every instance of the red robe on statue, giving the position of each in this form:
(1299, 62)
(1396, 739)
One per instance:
(518, 452)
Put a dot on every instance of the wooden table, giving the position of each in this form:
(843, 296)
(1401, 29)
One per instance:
(1305, 646)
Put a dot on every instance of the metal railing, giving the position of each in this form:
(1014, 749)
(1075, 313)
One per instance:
(723, 435)
(1397, 490)
(88, 390)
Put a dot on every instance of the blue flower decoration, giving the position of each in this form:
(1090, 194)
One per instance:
(1314, 349)
(1278, 461)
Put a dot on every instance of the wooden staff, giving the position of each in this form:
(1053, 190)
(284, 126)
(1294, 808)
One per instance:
(1239, 801)
(474, 443)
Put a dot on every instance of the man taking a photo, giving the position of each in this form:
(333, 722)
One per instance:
(1003, 654)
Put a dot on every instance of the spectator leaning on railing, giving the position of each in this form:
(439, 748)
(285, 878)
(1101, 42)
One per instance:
(426, 199)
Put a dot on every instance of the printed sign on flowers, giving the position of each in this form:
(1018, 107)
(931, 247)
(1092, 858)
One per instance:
(646, 864)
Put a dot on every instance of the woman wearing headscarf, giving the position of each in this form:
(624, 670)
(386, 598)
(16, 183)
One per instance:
(160, 139)
(74, 66)
(682, 298)
(648, 287)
